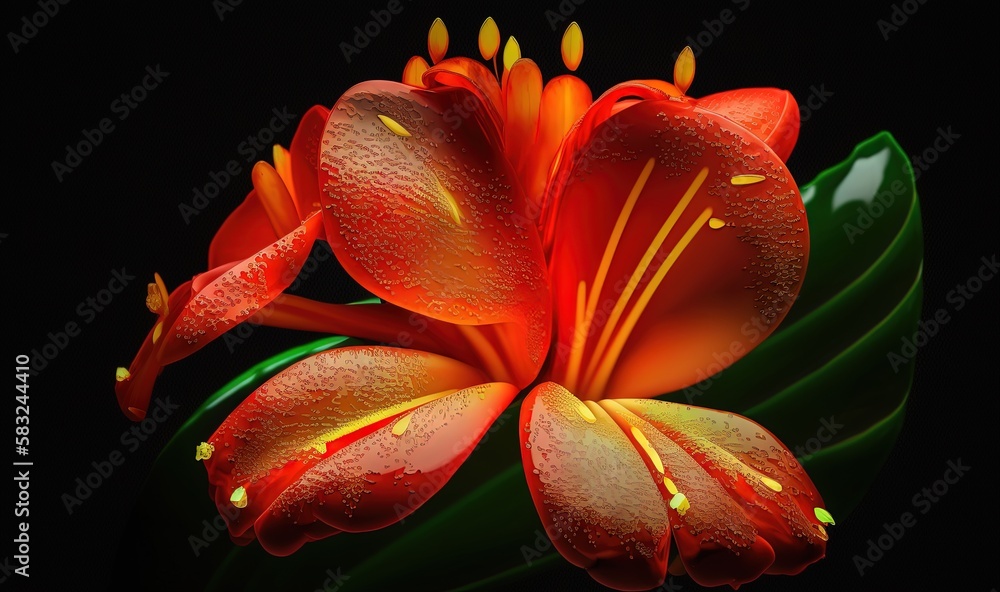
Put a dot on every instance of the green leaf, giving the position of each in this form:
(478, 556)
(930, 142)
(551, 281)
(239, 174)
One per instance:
(824, 383)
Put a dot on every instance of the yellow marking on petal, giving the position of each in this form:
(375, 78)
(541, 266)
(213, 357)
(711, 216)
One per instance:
(585, 412)
(157, 296)
(203, 451)
(394, 126)
(746, 179)
(122, 374)
(771, 484)
(640, 271)
(684, 70)
(450, 203)
(576, 351)
(511, 53)
(319, 443)
(157, 331)
(275, 198)
(670, 486)
(649, 450)
(716, 223)
(283, 164)
(572, 46)
(239, 497)
(489, 39)
(437, 40)
(680, 503)
(823, 516)
(615, 350)
(400, 426)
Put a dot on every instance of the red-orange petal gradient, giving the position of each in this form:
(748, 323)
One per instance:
(689, 234)
(424, 211)
(770, 113)
(603, 476)
(352, 439)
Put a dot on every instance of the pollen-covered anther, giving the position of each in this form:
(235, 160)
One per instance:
(511, 53)
(394, 126)
(122, 374)
(489, 39)
(239, 497)
(157, 296)
(680, 503)
(437, 41)
(572, 46)
(684, 70)
(203, 451)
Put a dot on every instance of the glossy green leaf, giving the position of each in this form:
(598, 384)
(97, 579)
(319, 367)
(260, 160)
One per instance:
(823, 383)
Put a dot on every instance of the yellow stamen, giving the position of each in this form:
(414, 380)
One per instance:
(283, 164)
(602, 377)
(680, 503)
(823, 516)
(487, 353)
(572, 46)
(511, 53)
(670, 486)
(275, 199)
(747, 179)
(157, 331)
(450, 203)
(576, 351)
(394, 126)
(122, 374)
(203, 451)
(684, 70)
(716, 223)
(157, 296)
(319, 443)
(771, 484)
(437, 40)
(400, 426)
(640, 271)
(489, 39)
(647, 448)
(579, 338)
(239, 497)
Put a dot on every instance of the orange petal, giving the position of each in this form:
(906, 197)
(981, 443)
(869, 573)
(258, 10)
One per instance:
(678, 260)
(770, 113)
(220, 303)
(436, 227)
(414, 70)
(351, 439)
(245, 231)
(304, 155)
(597, 500)
(522, 94)
(752, 505)
(472, 76)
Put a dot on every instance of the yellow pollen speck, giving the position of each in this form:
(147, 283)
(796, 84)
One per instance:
(716, 223)
(203, 451)
(511, 53)
(394, 126)
(239, 497)
(823, 516)
(437, 40)
(400, 426)
(650, 452)
(771, 484)
(680, 503)
(157, 296)
(670, 486)
(122, 374)
(684, 70)
(747, 179)
(585, 412)
(489, 39)
(572, 46)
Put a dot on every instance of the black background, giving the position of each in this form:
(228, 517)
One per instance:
(61, 240)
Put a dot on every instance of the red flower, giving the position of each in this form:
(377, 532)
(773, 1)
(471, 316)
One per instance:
(524, 235)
